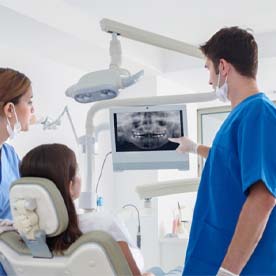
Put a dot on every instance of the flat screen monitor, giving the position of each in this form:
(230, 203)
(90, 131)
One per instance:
(140, 135)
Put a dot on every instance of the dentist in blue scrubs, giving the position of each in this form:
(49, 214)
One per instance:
(16, 111)
(234, 223)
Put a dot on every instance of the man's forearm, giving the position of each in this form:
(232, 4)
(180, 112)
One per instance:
(250, 227)
(203, 151)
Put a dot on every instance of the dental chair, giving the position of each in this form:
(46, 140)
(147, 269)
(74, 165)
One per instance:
(38, 210)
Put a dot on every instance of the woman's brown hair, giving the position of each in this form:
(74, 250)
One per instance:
(13, 85)
(58, 163)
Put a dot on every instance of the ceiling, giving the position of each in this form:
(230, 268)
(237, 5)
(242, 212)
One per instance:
(190, 21)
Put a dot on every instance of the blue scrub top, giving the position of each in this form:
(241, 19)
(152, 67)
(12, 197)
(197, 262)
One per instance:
(243, 152)
(9, 172)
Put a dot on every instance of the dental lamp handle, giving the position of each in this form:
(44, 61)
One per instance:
(131, 79)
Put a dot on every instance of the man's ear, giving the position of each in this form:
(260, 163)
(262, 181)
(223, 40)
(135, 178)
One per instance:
(224, 67)
(8, 109)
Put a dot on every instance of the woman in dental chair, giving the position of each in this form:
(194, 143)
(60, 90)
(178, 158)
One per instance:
(58, 163)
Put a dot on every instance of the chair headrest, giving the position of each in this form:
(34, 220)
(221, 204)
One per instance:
(36, 204)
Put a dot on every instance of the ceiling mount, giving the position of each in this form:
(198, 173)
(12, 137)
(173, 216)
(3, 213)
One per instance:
(133, 33)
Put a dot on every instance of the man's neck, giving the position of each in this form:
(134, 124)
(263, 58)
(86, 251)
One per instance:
(242, 89)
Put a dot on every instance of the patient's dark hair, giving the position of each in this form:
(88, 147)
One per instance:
(58, 163)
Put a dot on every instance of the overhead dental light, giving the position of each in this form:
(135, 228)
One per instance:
(104, 84)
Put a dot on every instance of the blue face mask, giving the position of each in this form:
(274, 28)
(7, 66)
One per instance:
(13, 131)
(222, 91)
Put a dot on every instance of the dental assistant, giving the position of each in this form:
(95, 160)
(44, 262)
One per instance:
(234, 221)
(16, 111)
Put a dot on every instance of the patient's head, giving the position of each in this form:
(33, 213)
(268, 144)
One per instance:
(58, 163)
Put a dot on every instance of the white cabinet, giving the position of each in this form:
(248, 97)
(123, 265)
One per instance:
(172, 252)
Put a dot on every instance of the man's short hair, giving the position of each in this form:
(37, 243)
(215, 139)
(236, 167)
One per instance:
(236, 46)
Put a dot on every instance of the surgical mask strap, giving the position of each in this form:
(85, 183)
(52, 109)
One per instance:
(16, 118)
(222, 91)
(226, 78)
(219, 77)
(17, 126)
(15, 114)
(8, 121)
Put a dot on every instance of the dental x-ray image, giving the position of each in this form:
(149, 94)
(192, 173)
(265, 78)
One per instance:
(147, 131)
